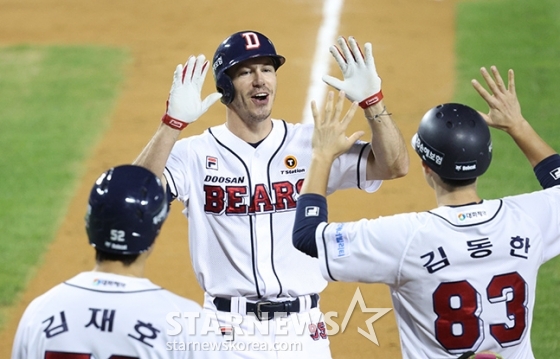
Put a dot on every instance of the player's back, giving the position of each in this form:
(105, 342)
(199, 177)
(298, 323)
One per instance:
(462, 278)
(468, 275)
(102, 315)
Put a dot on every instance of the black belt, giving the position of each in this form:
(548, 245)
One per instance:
(264, 306)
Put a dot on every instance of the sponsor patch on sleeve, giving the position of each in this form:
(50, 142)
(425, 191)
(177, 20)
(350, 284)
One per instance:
(341, 243)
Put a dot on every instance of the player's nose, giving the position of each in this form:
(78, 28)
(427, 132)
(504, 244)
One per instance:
(258, 78)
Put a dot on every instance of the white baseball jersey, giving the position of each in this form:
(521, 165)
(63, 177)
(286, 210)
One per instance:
(240, 202)
(106, 316)
(462, 278)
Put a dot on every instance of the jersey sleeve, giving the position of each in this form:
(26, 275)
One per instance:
(349, 170)
(19, 349)
(23, 340)
(175, 170)
(544, 207)
(552, 234)
(369, 251)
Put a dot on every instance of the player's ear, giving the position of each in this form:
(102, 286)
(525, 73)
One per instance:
(425, 169)
(151, 249)
(428, 174)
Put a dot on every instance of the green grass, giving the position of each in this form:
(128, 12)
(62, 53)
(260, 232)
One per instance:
(54, 104)
(521, 35)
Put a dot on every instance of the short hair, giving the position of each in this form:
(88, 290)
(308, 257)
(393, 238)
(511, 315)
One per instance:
(458, 183)
(125, 259)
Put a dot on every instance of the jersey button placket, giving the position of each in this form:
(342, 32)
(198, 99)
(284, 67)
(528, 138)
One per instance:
(262, 224)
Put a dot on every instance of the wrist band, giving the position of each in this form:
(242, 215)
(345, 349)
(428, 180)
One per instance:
(382, 113)
(173, 123)
(372, 100)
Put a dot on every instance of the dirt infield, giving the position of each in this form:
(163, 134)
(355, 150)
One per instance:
(413, 47)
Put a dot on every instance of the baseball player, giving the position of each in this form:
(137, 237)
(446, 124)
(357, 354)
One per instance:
(240, 182)
(463, 275)
(113, 312)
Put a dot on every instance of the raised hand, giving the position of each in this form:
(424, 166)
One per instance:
(505, 111)
(361, 82)
(184, 105)
(505, 114)
(329, 139)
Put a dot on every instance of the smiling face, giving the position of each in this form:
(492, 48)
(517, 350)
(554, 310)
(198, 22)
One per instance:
(254, 81)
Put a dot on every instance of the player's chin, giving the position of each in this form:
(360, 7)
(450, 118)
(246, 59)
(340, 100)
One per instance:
(261, 116)
(261, 112)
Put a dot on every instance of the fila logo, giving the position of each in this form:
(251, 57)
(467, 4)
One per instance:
(251, 40)
(555, 173)
(311, 211)
(211, 163)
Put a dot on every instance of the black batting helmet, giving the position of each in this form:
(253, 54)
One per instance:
(454, 141)
(127, 206)
(239, 47)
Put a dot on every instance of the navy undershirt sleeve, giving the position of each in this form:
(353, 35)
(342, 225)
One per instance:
(548, 171)
(310, 212)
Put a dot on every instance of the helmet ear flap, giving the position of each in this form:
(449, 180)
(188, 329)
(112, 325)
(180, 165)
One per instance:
(224, 85)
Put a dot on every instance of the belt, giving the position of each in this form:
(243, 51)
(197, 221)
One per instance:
(265, 306)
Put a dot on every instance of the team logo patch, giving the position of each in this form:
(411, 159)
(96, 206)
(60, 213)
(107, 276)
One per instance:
(290, 162)
(211, 163)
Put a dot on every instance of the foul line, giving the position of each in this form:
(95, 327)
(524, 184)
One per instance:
(320, 66)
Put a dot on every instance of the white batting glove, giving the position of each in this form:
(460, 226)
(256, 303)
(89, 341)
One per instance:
(361, 82)
(184, 104)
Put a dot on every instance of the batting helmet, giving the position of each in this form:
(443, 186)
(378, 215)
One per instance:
(454, 141)
(239, 47)
(127, 206)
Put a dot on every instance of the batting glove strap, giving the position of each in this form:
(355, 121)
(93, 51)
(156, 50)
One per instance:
(184, 104)
(173, 123)
(372, 100)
